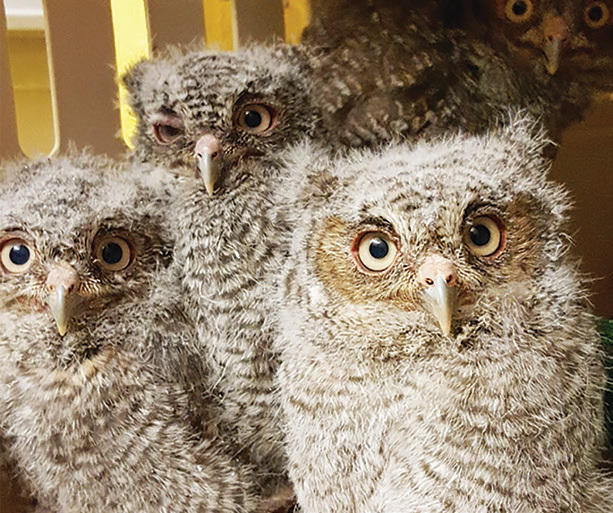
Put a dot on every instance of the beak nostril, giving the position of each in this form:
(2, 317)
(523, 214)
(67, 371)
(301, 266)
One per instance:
(450, 278)
(429, 281)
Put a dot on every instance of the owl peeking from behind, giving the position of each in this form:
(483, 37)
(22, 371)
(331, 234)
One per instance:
(568, 38)
(384, 69)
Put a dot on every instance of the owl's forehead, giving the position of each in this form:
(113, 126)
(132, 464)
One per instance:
(56, 202)
(424, 199)
(219, 80)
(405, 187)
(217, 68)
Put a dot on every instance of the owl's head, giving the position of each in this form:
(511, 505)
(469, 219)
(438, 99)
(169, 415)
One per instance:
(434, 241)
(79, 240)
(554, 37)
(202, 113)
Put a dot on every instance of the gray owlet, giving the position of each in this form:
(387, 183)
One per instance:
(92, 331)
(219, 121)
(438, 353)
(387, 68)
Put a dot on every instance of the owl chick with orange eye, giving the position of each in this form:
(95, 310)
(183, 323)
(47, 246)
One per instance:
(562, 48)
(438, 351)
(220, 121)
(202, 113)
(384, 69)
(95, 413)
(553, 37)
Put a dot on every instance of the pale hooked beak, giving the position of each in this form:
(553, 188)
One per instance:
(439, 278)
(63, 300)
(555, 32)
(208, 155)
(553, 52)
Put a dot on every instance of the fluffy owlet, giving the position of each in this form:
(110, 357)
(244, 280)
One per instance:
(386, 68)
(438, 353)
(219, 121)
(92, 414)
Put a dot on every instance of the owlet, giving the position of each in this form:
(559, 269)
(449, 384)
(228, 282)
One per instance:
(438, 351)
(220, 121)
(93, 415)
(384, 69)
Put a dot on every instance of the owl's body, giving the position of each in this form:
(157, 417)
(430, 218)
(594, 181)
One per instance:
(438, 354)
(96, 405)
(385, 69)
(224, 117)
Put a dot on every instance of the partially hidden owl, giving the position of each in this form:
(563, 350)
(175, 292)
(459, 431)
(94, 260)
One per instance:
(384, 69)
(219, 121)
(94, 415)
(438, 351)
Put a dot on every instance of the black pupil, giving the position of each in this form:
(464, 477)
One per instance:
(595, 13)
(480, 235)
(519, 8)
(112, 253)
(378, 248)
(253, 119)
(19, 254)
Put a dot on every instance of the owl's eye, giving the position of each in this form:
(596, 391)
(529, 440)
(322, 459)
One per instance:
(257, 118)
(168, 128)
(16, 256)
(374, 251)
(519, 11)
(596, 15)
(114, 253)
(485, 236)
(166, 134)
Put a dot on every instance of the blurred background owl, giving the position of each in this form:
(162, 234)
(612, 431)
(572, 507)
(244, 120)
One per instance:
(409, 68)
(220, 121)
(97, 390)
(438, 351)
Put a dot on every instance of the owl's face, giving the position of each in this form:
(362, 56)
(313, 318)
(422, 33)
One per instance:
(433, 239)
(555, 37)
(77, 243)
(204, 113)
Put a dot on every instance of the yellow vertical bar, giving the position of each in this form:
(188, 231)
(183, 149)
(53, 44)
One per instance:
(297, 16)
(9, 143)
(132, 45)
(218, 24)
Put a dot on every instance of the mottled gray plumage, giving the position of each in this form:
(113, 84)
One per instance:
(102, 418)
(230, 243)
(385, 412)
(386, 68)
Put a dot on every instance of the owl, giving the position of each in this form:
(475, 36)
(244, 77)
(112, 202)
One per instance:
(93, 415)
(201, 113)
(219, 122)
(438, 352)
(570, 39)
(385, 69)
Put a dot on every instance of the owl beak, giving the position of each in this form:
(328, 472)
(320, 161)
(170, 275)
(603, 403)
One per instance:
(553, 51)
(555, 32)
(439, 278)
(64, 302)
(208, 155)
